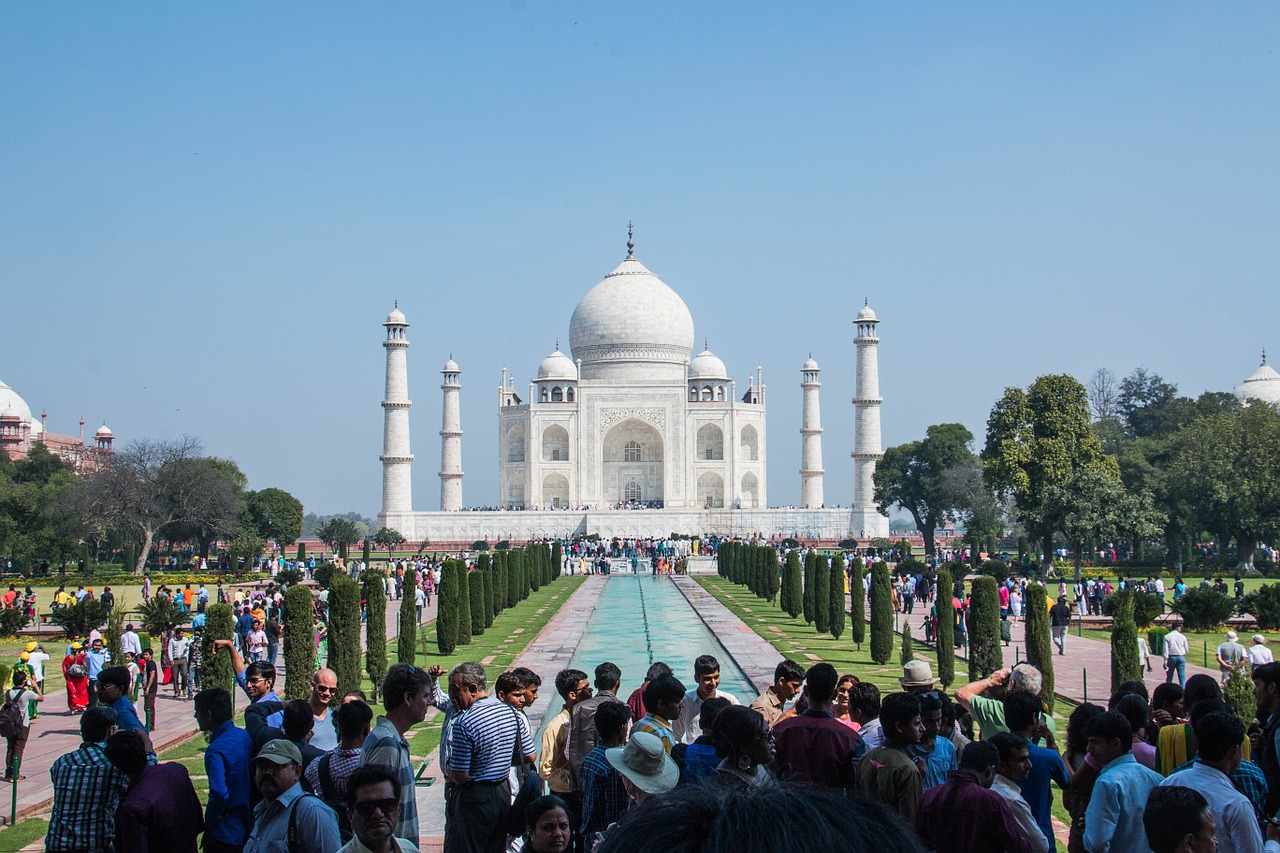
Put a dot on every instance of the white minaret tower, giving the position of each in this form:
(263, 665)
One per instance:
(811, 438)
(866, 520)
(451, 440)
(397, 487)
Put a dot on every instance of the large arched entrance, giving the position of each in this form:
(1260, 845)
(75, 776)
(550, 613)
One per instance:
(632, 464)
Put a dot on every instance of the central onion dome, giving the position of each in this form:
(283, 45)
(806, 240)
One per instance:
(631, 319)
(1263, 384)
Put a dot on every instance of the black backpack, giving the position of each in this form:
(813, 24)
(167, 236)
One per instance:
(11, 714)
(329, 796)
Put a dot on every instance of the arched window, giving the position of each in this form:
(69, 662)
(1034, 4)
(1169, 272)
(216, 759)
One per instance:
(568, 394)
(557, 394)
(544, 395)
(720, 393)
(631, 491)
(631, 452)
(693, 394)
(706, 393)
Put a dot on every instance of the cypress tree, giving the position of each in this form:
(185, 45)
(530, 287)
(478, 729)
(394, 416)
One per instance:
(447, 610)
(908, 653)
(1039, 643)
(1124, 645)
(881, 614)
(945, 632)
(792, 585)
(822, 594)
(302, 551)
(215, 669)
(771, 573)
(722, 558)
(511, 577)
(757, 571)
(366, 556)
(984, 629)
(525, 562)
(857, 604)
(533, 560)
(375, 630)
(484, 567)
(344, 631)
(478, 606)
(299, 642)
(810, 568)
(499, 582)
(407, 641)
(464, 602)
(835, 609)
(557, 560)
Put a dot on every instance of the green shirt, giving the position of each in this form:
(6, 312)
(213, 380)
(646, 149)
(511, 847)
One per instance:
(988, 717)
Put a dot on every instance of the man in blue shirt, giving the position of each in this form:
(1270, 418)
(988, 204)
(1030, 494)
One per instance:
(1022, 713)
(1113, 822)
(95, 659)
(244, 624)
(938, 753)
(257, 680)
(227, 761)
(113, 690)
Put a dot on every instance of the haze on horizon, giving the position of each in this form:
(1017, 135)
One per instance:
(209, 211)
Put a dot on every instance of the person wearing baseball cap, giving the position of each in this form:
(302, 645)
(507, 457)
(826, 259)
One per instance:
(277, 773)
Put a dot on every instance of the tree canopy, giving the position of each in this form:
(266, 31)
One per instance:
(913, 477)
(275, 514)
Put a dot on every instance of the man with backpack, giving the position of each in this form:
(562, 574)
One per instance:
(287, 818)
(15, 722)
(328, 774)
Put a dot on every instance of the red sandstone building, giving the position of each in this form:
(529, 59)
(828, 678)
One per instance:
(19, 432)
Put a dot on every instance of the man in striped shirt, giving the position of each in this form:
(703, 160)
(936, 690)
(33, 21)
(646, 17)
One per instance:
(487, 736)
(406, 694)
(662, 699)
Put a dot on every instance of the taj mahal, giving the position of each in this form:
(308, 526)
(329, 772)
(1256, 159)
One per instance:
(630, 434)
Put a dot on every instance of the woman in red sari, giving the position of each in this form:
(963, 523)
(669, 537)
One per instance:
(77, 685)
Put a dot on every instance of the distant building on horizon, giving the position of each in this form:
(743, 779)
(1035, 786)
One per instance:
(20, 431)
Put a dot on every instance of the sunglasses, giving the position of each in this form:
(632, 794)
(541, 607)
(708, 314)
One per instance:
(367, 807)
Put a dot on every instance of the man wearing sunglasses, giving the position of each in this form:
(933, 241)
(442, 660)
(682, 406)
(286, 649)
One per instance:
(373, 804)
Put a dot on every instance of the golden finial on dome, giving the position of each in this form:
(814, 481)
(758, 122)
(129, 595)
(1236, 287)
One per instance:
(631, 244)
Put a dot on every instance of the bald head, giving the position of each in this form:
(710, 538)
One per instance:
(324, 686)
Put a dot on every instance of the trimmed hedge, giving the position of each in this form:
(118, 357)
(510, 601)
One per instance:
(822, 595)
(908, 653)
(344, 632)
(881, 614)
(298, 638)
(857, 604)
(447, 610)
(810, 571)
(945, 630)
(407, 641)
(1125, 664)
(985, 656)
(792, 585)
(835, 601)
(216, 669)
(1039, 642)
(375, 630)
(475, 581)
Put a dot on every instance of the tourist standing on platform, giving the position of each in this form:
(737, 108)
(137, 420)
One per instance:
(76, 676)
(1015, 765)
(87, 789)
(988, 713)
(698, 759)
(227, 764)
(113, 691)
(1175, 655)
(581, 738)
(95, 659)
(888, 773)
(706, 672)
(553, 761)
(1113, 821)
(257, 680)
(787, 678)
(938, 753)
(160, 809)
(864, 715)
(636, 700)
(37, 658)
(1218, 738)
(328, 775)
(373, 805)
(287, 819)
(1059, 623)
(745, 743)
(486, 736)
(1022, 714)
(662, 700)
(179, 658)
(813, 747)
(604, 797)
(964, 815)
(24, 697)
(406, 695)
(1230, 655)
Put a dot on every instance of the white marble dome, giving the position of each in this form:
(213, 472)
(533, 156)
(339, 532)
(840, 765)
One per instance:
(558, 366)
(866, 314)
(103, 431)
(630, 317)
(1263, 384)
(396, 318)
(11, 402)
(707, 365)
(810, 364)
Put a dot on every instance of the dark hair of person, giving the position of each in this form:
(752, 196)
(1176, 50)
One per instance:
(664, 688)
(1201, 687)
(371, 774)
(567, 680)
(526, 677)
(1134, 709)
(216, 702)
(705, 665)
(1171, 814)
(402, 680)
(897, 708)
(261, 669)
(740, 819)
(1217, 734)
(350, 719)
(710, 710)
(126, 751)
(1111, 726)
(357, 694)
(536, 809)
(96, 723)
(1165, 695)
(788, 670)
(298, 719)
(508, 682)
(1132, 687)
(608, 676)
(1203, 708)
(1021, 710)
(1007, 744)
(737, 728)
(610, 717)
(820, 682)
(864, 697)
(1268, 673)
(930, 702)
(979, 756)
(114, 675)
(20, 678)
(1077, 740)
(656, 669)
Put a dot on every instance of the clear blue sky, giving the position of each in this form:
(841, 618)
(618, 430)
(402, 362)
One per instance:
(207, 211)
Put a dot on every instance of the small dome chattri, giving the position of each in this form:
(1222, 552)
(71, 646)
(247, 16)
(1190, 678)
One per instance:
(103, 431)
(866, 314)
(451, 366)
(396, 318)
(810, 364)
(707, 365)
(1263, 384)
(558, 366)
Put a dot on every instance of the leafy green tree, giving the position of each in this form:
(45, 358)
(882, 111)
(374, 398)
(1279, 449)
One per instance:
(476, 601)
(857, 604)
(344, 631)
(1146, 605)
(792, 584)
(985, 656)
(447, 613)
(161, 614)
(338, 533)
(911, 476)
(407, 641)
(1203, 608)
(388, 539)
(111, 636)
(1264, 604)
(1238, 694)
(246, 548)
(1039, 642)
(216, 669)
(375, 629)
(1038, 439)
(810, 585)
(945, 631)
(299, 642)
(908, 652)
(822, 594)
(275, 515)
(835, 603)
(881, 614)
(1125, 665)
(1093, 506)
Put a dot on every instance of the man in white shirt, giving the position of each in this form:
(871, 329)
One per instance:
(706, 674)
(1014, 767)
(1259, 653)
(130, 641)
(1219, 736)
(1175, 655)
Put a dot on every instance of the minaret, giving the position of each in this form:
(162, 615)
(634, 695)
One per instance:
(397, 487)
(451, 440)
(811, 438)
(866, 520)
